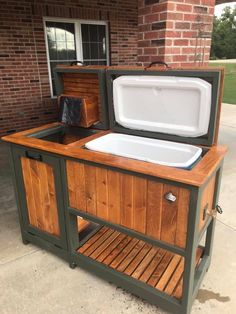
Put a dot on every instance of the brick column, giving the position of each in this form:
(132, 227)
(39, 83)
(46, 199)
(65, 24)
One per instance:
(175, 32)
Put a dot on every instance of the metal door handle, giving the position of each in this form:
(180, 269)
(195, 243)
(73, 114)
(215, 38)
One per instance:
(34, 156)
(170, 197)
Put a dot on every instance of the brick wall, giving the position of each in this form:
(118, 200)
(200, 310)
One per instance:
(24, 81)
(177, 32)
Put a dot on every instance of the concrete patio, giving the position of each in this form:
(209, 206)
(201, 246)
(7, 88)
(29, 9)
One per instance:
(34, 281)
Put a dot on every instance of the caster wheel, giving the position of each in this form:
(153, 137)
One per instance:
(25, 242)
(73, 265)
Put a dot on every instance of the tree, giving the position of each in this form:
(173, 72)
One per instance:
(224, 35)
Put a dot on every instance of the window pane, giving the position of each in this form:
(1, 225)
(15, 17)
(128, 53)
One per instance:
(94, 43)
(61, 45)
(61, 41)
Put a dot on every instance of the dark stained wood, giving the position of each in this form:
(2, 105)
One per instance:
(154, 266)
(40, 195)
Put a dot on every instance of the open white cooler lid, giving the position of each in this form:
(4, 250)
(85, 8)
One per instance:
(164, 104)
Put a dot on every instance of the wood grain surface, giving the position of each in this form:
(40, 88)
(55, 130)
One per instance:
(40, 195)
(130, 201)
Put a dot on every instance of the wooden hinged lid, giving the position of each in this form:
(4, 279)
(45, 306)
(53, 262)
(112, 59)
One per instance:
(148, 102)
(84, 81)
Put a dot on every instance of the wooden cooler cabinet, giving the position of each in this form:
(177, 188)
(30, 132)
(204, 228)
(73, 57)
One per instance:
(146, 226)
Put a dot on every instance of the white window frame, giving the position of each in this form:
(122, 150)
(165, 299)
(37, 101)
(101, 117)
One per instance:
(78, 42)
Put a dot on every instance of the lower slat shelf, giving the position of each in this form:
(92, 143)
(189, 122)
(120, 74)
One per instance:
(150, 264)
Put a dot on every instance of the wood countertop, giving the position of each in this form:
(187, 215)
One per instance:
(196, 177)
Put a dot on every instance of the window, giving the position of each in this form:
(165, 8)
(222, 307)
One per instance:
(69, 40)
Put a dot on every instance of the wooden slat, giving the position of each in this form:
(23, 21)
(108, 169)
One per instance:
(45, 205)
(117, 250)
(53, 200)
(145, 262)
(25, 162)
(72, 192)
(110, 248)
(179, 288)
(79, 177)
(182, 217)
(98, 242)
(126, 200)
(36, 192)
(122, 254)
(139, 257)
(154, 208)
(169, 215)
(129, 258)
(114, 196)
(156, 275)
(157, 267)
(92, 240)
(104, 245)
(101, 193)
(139, 204)
(90, 189)
(168, 273)
(175, 278)
(152, 266)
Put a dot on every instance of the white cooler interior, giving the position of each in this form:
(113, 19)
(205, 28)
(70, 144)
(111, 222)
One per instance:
(151, 150)
(165, 104)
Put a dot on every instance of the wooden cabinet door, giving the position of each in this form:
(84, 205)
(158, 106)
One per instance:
(39, 190)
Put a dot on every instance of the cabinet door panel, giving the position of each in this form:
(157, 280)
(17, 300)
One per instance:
(39, 189)
(40, 195)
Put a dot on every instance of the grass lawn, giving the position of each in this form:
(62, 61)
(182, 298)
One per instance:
(230, 82)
